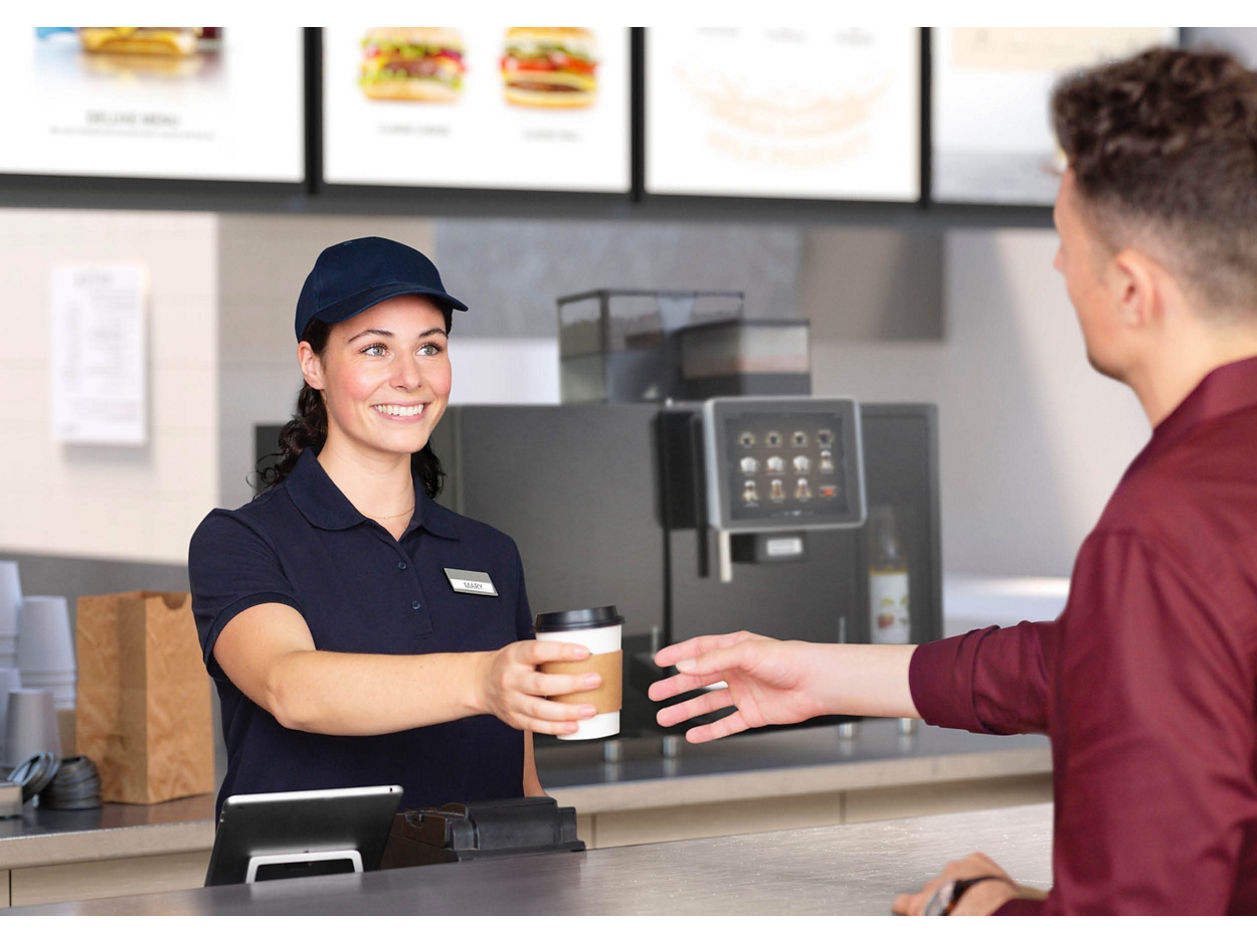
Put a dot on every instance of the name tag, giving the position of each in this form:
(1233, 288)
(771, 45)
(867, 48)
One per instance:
(470, 582)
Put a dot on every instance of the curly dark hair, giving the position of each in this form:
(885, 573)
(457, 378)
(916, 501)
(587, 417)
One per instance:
(1166, 143)
(308, 428)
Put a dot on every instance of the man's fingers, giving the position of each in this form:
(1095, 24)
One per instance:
(694, 647)
(698, 706)
(680, 683)
(726, 726)
(691, 647)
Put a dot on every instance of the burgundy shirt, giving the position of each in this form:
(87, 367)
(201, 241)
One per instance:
(1147, 682)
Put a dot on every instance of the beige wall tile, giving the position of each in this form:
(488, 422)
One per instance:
(111, 502)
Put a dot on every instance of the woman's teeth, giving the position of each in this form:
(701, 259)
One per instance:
(400, 410)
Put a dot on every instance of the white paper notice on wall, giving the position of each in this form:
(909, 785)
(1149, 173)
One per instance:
(99, 354)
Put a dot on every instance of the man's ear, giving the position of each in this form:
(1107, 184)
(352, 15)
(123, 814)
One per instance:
(311, 365)
(1135, 287)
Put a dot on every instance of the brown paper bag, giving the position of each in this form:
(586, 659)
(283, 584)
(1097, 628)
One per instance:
(144, 711)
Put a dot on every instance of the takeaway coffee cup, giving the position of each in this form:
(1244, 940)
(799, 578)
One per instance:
(598, 629)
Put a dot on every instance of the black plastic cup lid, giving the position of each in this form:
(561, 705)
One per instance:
(577, 618)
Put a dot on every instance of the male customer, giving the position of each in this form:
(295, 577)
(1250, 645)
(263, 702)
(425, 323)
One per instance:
(1147, 682)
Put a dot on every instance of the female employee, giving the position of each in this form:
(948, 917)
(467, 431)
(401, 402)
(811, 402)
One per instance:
(358, 632)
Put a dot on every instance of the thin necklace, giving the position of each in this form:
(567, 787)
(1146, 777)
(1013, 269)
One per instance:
(391, 516)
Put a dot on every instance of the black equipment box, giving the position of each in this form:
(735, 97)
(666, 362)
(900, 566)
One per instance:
(504, 828)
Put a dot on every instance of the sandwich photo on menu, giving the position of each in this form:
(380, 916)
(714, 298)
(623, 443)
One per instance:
(412, 63)
(549, 66)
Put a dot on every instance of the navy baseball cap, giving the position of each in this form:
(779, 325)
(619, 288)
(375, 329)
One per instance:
(349, 277)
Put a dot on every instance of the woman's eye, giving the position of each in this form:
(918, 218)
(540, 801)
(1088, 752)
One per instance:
(375, 350)
(430, 349)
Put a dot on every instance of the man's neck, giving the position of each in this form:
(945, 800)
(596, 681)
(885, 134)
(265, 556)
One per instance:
(1181, 362)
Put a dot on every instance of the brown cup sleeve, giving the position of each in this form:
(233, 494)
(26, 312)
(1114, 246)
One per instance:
(607, 698)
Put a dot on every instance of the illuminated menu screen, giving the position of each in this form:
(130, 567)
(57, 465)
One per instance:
(990, 88)
(796, 112)
(192, 103)
(493, 107)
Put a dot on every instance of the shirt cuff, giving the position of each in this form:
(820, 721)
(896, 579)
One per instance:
(940, 679)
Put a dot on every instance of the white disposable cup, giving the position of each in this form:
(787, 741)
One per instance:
(43, 642)
(10, 598)
(30, 725)
(600, 630)
(61, 683)
(10, 679)
(8, 651)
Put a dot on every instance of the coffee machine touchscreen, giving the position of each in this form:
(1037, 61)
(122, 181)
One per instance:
(783, 463)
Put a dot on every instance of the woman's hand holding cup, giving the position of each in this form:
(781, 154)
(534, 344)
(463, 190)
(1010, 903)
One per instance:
(513, 689)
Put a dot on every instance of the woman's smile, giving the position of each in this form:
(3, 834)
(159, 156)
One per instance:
(398, 411)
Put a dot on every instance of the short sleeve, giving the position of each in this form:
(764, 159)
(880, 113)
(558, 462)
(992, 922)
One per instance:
(231, 567)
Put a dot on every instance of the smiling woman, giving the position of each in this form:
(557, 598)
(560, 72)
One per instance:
(343, 651)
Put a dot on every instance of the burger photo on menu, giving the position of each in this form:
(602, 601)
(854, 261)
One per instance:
(549, 66)
(140, 40)
(412, 63)
(141, 51)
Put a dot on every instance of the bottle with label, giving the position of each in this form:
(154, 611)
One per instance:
(890, 622)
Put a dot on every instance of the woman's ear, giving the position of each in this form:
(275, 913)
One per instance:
(311, 365)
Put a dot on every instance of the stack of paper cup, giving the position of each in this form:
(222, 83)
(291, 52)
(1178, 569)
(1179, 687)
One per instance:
(10, 605)
(10, 679)
(30, 726)
(45, 650)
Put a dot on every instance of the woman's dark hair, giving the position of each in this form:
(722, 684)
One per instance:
(308, 428)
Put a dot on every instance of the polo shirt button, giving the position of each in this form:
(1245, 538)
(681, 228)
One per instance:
(401, 564)
(416, 605)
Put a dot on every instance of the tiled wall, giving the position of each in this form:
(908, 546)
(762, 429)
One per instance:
(136, 503)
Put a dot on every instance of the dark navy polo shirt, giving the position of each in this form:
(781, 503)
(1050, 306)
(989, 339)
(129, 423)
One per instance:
(303, 544)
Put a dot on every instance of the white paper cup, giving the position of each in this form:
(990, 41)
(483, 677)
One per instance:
(10, 679)
(30, 725)
(10, 598)
(43, 641)
(8, 651)
(599, 630)
(61, 683)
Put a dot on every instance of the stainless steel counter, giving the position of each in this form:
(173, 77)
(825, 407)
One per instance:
(765, 766)
(43, 836)
(847, 870)
(782, 762)
(776, 765)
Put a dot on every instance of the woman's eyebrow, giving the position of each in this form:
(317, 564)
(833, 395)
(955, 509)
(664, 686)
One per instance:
(379, 331)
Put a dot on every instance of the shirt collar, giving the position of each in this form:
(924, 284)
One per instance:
(1227, 388)
(324, 506)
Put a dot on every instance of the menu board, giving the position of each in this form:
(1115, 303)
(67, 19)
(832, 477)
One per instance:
(991, 129)
(493, 107)
(806, 112)
(192, 103)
